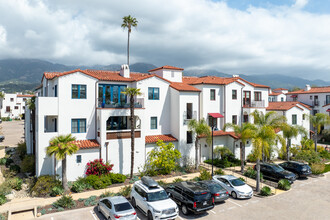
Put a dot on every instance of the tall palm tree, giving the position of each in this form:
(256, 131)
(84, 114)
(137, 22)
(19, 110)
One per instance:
(131, 93)
(317, 121)
(60, 147)
(306, 143)
(289, 132)
(32, 107)
(199, 128)
(128, 22)
(246, 131)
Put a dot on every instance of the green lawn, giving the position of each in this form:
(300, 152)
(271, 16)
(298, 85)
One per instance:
(327, 168)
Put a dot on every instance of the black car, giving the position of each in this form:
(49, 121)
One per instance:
(275, 172)
(219, 193)
(301, 169)
(191, 197)
(2, 138)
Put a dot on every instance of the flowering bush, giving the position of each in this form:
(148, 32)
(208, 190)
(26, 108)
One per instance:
(98, 168)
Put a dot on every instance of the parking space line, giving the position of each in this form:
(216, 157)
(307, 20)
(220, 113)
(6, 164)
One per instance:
(213, 211)
(233, 207)
(138, 218)
(51, 218)
(221, 210)
(93, 215)
(235, 203)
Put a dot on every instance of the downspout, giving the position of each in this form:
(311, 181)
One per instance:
(242, 106)
(95, 104)
(224, 105)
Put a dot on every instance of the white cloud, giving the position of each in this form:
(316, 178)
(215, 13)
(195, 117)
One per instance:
(185, 33)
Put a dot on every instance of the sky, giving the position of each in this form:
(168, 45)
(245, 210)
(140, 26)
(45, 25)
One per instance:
(288, 37)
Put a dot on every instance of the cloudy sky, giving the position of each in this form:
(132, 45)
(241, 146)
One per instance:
(233, 36)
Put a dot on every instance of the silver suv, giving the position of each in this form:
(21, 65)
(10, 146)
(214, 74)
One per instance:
(153, 200)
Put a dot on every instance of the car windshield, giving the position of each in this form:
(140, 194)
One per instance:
(155, 196)
(122, 207)
(278, 168)
(215, 188)
(237, 182)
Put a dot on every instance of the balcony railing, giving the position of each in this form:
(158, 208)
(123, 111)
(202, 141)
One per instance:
(316, 103)
(122, 135)
(138, 104)
(187, 117)
(254, 104)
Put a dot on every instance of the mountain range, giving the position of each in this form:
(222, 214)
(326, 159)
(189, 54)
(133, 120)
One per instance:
(18, 75)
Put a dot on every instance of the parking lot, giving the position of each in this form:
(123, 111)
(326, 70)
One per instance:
(13, 132)
(308, 199)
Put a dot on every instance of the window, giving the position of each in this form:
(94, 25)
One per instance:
(78, 91)
(213, 121)
(24, 99)
(7, 108)
(295, 98)
(234, 94)
(212, 94)
(11, 99)
(172, 74)
(257, 96)
(55, 91)
(234, 119)
(314, 112)
(78, 125)
(189, 137)
(117, 123)
(153, 93)
(303, 117)
(153, 123)
(23, 107)
(189, 111)
(327, 100)
(245, 118)
(78, 158)
(311, 97)
(282, 99)
(16, 107)
(294, 119)
(112, 95)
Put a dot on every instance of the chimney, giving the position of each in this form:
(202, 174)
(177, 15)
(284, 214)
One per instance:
(308, 87)
(124, 71)
(235, 76)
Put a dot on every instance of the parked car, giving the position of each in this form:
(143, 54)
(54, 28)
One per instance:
(191, 196)
(153, 200)
(275, 172)
(218, 192)
(2, 138)
(236, 187)
(116, 207)
(300, 169)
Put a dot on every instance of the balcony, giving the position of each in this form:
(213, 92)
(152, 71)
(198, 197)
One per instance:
(187, 116)
(254, 104)
(122, 135)
(138, 104)
(316, 103)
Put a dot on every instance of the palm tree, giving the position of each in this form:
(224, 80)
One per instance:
(32, 107)
(246, 131)
(306, 143)
(289, 132)
(60, 147)
(317, 121)
(199, 128)
(2, 95)
(131, 93)
(128, 22)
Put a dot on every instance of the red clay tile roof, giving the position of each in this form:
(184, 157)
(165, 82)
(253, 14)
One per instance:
(184, 87)
(275, 94)
(325, 89)
(164, 137)
(222, 133)
(253, 84)
(166, 67)
(86, 144)
(213, 80)
(279, 89)
(20, 95)
(284, 106)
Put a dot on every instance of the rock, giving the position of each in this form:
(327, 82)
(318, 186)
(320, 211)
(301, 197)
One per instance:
(38, 214)
(10, 196)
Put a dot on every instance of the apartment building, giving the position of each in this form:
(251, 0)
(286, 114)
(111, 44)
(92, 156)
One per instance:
(90, 105)
(13, 105)
(278, 95)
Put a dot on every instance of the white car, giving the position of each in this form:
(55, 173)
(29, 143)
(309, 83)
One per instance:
(236, 187)
(116, 207)
(153, 200)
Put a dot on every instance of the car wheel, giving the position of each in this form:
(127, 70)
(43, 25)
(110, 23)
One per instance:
(184, 209)
(234, 195)
(150, 216)
(133, 203)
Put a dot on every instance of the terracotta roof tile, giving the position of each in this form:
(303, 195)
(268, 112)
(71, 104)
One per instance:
(20, 95)
(254, 84)
(213, 80)
(325, 89)
(284, 106)
(184, 87)
(164, 137)
(279, 89)
(87, 144)
(223, 133)
(167, 67)
(275, 94)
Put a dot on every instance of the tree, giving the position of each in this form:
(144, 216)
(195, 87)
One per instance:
(128, 22)
(199, 128)
(289, 132)
(60, 147)
(131, 93)
(317, 121)
(2, 95)
(32, 107)
(306, 144)
(245, 132)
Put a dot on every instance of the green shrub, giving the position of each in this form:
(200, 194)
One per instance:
(64, 202)
(96, 182)
(219, 172)
(3, 161)
(117, 177)
(56, 191)
(251, 157)
(241, 178)
(161, 183)
(5, 119)
(15, 183)
(251, 173)
(3, 199)
(15, 168)
(325, 154)
(204, 175)
(134, 179)
(5, 189)
(327, 168)
(91, 201)
(8, 162)
(80, 185)
(177, 180)
(21, 149)
(44, 185)
(309, 156)
(43, 211)
(284, 184)
(108, 194)
(28, 164)
(229, 161)
(265, 191)
(317, 168)
(106, 179)
(125, 191)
